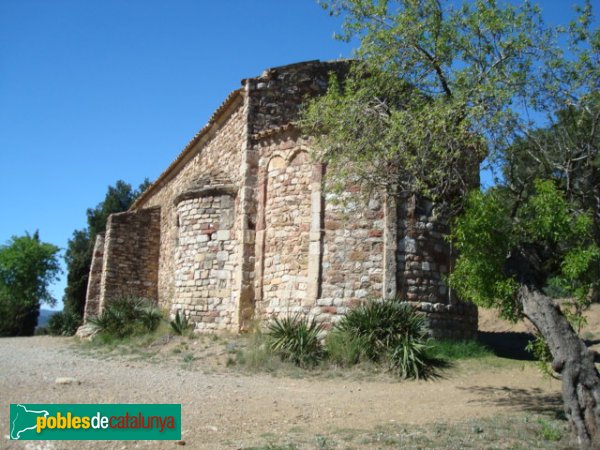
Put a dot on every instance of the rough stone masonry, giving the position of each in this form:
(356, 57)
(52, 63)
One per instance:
(239, 227)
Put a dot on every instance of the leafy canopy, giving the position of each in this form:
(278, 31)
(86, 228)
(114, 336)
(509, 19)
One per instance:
(78, 255)
(540, 242)
(567, 151)
(27, 268)
(432, 95)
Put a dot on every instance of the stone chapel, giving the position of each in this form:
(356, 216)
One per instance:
(239, 228)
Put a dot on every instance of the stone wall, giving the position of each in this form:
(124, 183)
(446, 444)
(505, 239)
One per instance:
(92, 304)
(131, 254)
(424, 260)
(313, 255)
(216, 155)
(352, 262)
(277, 94)
(424, 256)
(287, 226)
(205, 260)
(246, 230)
(283, 282)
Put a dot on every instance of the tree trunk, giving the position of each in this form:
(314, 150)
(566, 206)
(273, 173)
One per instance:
(573, 361)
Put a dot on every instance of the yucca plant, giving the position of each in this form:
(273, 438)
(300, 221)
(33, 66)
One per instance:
(391, 332)
(408, 358)
(150, 317)
(382, 324)
(180, 324)
(296, 339)
(126, 316)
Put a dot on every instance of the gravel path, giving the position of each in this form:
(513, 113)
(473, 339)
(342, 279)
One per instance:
(229, 410)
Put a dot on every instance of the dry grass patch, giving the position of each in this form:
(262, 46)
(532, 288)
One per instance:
(515, 432)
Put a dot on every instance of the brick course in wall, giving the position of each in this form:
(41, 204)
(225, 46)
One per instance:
(242, 230)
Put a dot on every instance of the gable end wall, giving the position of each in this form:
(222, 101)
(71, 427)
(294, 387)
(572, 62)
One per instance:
(219, 152)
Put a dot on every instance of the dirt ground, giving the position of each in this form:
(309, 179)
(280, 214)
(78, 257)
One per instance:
(225, 408)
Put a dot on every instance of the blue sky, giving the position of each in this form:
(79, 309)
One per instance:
(96, 91)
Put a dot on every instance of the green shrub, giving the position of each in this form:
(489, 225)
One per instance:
(63, 323)
(382, 324)
(408, 357)
(344, 349)
(387, 331)
(180, 324)
(127, 316)
(151, 317)
(296, 339)
(541, 352)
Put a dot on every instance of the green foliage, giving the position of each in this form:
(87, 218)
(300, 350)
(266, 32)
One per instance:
(27, 268)
(373, 130)
(548, 431)
(540, 240)
(296, 339)
(345, 349)
(381, 325)
(483, 238)
(566, 151)
(445, 50)
(408, 357)
(118, 198)
(450, 350)
(434, 79)
(127, 316)
(63, 323)
(386, 331)
(180, 324)
(538, 347)
(78, 255)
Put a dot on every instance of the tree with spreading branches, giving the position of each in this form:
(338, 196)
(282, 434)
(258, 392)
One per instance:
(436, 89)
(27, 268)
(78, 255)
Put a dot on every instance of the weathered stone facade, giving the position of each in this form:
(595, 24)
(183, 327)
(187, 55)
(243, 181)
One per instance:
(238, 227)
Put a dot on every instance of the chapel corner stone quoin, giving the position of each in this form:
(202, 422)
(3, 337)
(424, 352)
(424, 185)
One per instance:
(238, 227)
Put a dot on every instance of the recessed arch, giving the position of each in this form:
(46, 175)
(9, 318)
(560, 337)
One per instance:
(299, 157)
(276, 162)
(287, 221)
